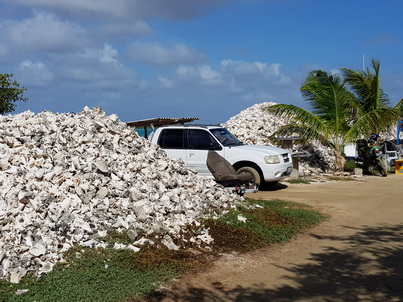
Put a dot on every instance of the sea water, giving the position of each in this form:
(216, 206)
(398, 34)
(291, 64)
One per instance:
(141, 132)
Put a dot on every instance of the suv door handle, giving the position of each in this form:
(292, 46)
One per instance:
(191, 153)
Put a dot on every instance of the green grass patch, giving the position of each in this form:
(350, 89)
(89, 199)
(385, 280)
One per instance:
(300, 181)
(350, 165)
(270, 222)
(125, 275)
(101, 275)
(342, 178)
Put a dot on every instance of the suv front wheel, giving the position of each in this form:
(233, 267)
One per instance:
(255, 174)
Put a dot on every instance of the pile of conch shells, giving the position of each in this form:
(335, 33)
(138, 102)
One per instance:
(68, 179)
(254, 126)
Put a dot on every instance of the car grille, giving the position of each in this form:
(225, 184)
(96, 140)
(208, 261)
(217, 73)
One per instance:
(286, 158)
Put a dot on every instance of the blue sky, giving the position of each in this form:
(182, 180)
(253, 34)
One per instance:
(190, 58)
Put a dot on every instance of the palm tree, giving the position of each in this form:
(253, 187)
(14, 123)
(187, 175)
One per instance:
(374, 114)
(328, 121)
(338, 115)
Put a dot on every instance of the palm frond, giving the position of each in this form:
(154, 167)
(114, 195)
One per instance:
(304, 132)
(366, 86)
(375, 121)
(333, 104)
(399, 108)
(304, 123)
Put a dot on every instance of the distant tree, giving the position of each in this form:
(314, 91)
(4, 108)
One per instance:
(10, 92)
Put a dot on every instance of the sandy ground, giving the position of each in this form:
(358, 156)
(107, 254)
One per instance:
(356, 255)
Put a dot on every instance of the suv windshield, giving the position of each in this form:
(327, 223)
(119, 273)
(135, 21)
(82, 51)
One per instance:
(225, 137)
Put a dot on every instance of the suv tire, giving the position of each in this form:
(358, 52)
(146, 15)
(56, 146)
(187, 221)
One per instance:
(255, 174)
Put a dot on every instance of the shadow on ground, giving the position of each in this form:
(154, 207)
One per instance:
(371, 269)
(277, 187)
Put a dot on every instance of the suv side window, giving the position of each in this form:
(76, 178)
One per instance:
(201, 140)
(172, 139)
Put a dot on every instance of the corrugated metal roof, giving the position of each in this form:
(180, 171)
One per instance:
(161, 121)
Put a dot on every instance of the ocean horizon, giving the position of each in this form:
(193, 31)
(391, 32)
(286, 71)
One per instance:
(141, 132)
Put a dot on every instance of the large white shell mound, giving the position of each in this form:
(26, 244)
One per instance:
(254, 126)
(69, 178)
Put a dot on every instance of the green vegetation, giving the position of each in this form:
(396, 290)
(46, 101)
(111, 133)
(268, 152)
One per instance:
(344, 106)
(124, 275)
(342, 178)
(300, 181)
(96, 275)
(267, 222)
(10, 92)
(350, 165)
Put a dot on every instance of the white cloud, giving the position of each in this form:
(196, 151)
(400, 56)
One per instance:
(108, 54)
(165, 82)
(156, 54)
(101, 76)
(241, 70)
(94, 68)
(34, 74)
(237, 76)
(74, 50)
(244, 68)
(92, 8)
(132, 29)
(241, 81)
(209, 75)
(4, 52)
(204, 74)
(124, 9)
(43, 32)
(192, 75)
(185, 72)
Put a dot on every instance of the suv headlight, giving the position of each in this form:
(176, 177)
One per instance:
(272, 159)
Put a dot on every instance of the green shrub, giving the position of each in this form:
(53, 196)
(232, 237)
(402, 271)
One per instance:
(300, 181)
(350, 165)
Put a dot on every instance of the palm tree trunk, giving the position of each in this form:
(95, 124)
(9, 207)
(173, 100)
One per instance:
(340, 160)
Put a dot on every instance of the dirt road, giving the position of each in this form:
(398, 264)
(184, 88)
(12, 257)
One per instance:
(356, 255)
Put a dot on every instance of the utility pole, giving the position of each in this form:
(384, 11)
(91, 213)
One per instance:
(363, 62)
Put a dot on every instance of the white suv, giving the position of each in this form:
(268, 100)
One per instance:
(191, 143)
